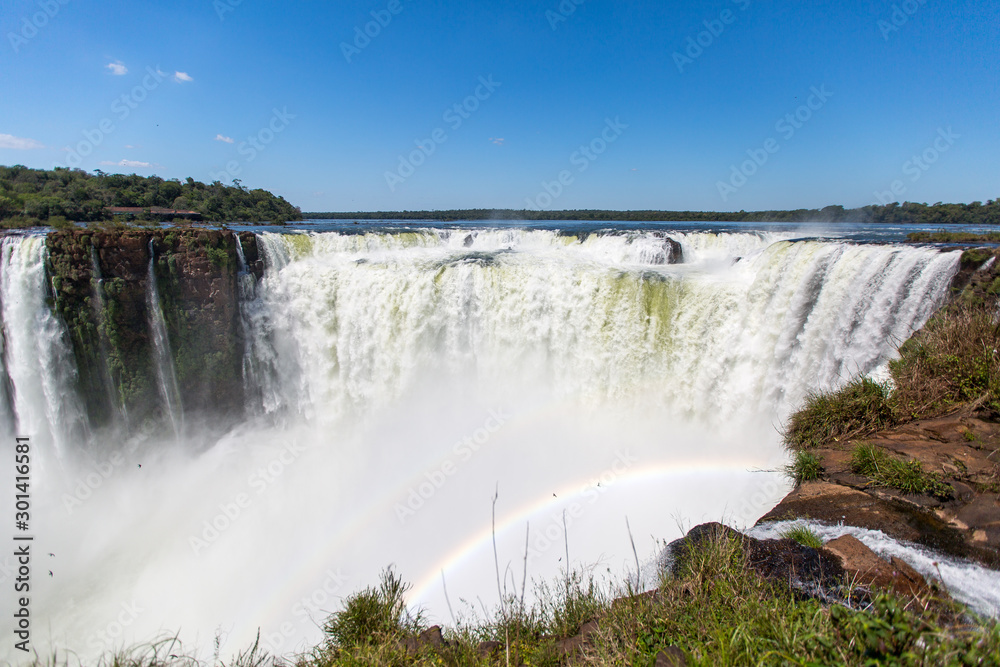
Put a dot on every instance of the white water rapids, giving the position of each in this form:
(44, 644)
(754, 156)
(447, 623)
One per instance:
(400, 380)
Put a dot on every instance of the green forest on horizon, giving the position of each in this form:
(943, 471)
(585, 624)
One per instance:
(32, 197)
(975, 213)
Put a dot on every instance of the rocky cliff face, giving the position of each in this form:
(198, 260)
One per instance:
(101, 288)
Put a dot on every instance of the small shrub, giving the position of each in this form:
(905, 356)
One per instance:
(804, 536)
(374, 615)
(804, 467)
(863, 406)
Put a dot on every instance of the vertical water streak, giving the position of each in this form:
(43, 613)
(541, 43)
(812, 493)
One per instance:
(163, 359)
(246, 285)
(98, 306)
(37, 354)
(270, 358)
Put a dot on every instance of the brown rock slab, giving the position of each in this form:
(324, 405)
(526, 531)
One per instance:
(982, 512)
(865, 568)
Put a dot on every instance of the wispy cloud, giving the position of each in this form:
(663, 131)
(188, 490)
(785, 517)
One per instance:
(18, 143)
(497, 140)
(127, 163)
(117, 68)
(219, 137)
(182, 77)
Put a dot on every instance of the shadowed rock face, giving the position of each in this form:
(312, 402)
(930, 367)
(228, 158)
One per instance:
(785, 560)
(101, 289)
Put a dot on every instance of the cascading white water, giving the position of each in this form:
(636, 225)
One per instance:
(37, 359)
(404, 378)
(366, 314)
(164, 360)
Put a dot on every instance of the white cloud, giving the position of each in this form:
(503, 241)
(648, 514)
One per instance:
(182, 77)
(18, 143)
(498, 141)
(126, 163)
(117, 68)
(219, 137)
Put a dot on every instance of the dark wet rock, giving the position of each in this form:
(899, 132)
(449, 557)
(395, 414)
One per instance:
(783, 560)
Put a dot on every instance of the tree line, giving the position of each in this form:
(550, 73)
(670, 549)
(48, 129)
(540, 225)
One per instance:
(975, 213)
(30, 197)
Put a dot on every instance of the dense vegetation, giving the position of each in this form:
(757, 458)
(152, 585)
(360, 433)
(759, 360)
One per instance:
(30, 197)
(975, 213)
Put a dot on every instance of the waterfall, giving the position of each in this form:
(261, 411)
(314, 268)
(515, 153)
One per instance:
(750, 325)
(398, 379)
(38, 360)
(164, 361)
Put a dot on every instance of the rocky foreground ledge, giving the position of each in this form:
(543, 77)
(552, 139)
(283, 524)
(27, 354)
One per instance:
(961, 451)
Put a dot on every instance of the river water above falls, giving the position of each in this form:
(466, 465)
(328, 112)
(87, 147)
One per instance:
(397, 380)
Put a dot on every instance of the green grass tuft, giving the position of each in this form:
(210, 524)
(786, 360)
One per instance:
(861, 407)
(804, 467)
(906, 475)
(375, 615)
(804, 536)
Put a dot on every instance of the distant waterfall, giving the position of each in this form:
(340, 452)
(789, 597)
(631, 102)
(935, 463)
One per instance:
(167, 379)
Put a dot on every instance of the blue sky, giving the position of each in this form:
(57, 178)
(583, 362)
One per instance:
(719, 105)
